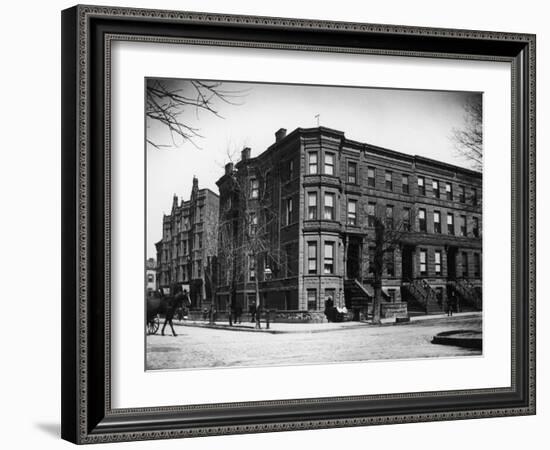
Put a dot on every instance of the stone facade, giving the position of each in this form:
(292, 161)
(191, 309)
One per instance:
(189, 245)
(314, 191)
(151, 275)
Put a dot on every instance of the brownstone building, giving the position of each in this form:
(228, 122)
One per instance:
(312, 196)
(189, 245)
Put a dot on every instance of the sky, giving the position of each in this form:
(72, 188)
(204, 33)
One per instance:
(409, 121)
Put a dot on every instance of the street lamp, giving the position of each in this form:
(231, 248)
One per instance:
(267, 277)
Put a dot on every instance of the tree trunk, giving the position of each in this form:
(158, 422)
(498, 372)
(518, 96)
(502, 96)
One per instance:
(377, 301)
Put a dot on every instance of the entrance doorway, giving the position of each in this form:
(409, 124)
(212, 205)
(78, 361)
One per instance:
(353, 264)
(451, 262)
(407, 255)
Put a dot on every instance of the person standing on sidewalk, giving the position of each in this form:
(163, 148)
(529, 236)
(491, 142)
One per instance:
(230, 313)
(451, 304)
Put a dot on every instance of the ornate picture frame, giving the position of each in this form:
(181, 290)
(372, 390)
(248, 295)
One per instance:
(88, 33)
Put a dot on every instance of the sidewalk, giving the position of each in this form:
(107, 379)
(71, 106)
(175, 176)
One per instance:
(278, 328)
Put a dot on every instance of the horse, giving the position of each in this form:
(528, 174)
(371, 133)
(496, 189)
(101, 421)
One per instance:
(171, 305)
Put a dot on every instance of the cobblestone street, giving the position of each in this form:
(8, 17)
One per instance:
(199, 347)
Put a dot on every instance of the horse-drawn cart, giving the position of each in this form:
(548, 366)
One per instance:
(154, 303)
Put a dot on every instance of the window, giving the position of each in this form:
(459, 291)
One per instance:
(312, 299)
(372, 255)
(437, 222)
(450, 223)
(389, 217)
(199, 268)
(390, 264)
(253, 224)
(251, 268)
(438, 262)
(312, 257)
(290, 169)
(254, 188)
(474, 197)
(475, 229)
(461, 194)
(371, 211)
(329, 207)
(449, 191)
(288, 211)
(329, 163)
(312, 205)
(423, 263)
(422, 220)
(389, 182)
(312, 163)
(405, 183)
(391, 294)
(352, 212)
(150, 278)
(352, 172)
(477, 265)
(464, 265)
(201, 209)
(463, 231)
(421, 186)
(435, 188)
(406, 219)
(371, 177)
(329, 257)
(199, 240)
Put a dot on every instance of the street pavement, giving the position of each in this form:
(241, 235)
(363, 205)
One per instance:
(202, 347)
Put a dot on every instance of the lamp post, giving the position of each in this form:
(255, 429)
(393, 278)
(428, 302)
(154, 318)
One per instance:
(267, 277)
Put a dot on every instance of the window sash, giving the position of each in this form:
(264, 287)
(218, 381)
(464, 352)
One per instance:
(421, 186)
(423, 258)
(329, 258)
(352, 172)
(312, 163)
(435, 187)
(389, 182)
(312, 257)
(405, 183)
(449, 191)
(329, 207)
(352, 212)
(288, 211)
(312, 205)
(371, 176)
(329, 164)
(254, 188)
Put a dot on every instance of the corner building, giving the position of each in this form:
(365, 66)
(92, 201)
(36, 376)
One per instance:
(189, 244)
(325, 190)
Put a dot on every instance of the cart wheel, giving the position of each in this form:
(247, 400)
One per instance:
(153, 325)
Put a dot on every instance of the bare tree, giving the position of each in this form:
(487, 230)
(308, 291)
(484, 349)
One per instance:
(468, 140)
(389, 234)
(246, 229)
(167, 101)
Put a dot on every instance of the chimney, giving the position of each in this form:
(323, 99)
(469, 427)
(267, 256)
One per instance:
(280, 134)
(245, 153)
(229, 168)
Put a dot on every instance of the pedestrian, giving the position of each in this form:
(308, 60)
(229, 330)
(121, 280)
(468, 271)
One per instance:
(252, 311)
(329, 309)
(451, 303)
(230, 313)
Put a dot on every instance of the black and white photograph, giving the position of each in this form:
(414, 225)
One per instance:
(296, 224)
